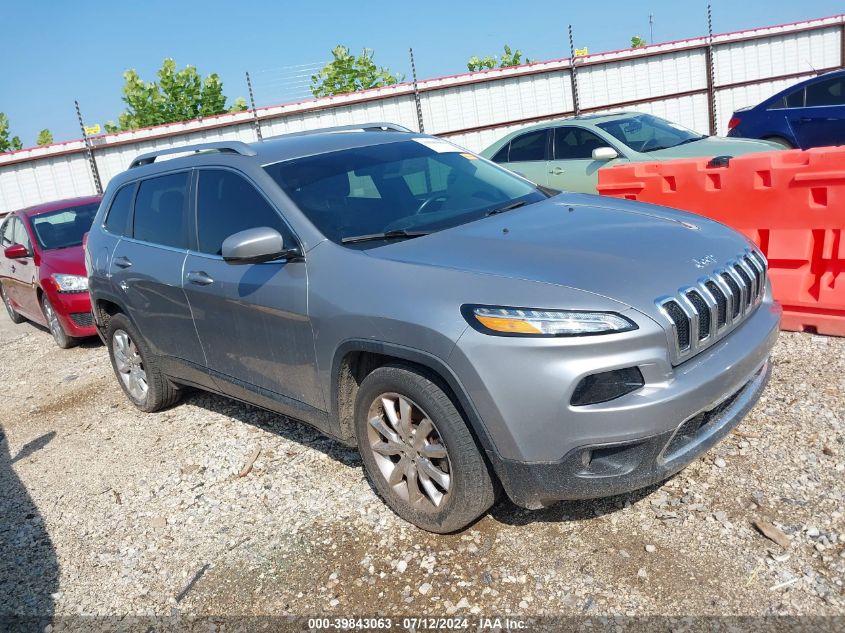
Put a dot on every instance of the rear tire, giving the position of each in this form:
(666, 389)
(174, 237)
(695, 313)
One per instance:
(14, 316)
(61, 337)
(780, 141)
(137, 369)
(418, 451)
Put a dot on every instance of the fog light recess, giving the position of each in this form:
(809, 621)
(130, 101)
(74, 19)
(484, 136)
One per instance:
(606, 386)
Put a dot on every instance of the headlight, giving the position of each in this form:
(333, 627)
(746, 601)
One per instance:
(71, 283)
(527, 322)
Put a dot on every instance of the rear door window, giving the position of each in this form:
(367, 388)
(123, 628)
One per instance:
(7, 233)
(530, 146)
(227, 203)
(117, 220)
(160, 210)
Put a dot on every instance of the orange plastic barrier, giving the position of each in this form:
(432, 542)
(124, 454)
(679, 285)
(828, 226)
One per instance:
(790, 203)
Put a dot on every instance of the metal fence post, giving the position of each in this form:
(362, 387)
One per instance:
(255, 120)
(573, 75)
(711, 73)
(416, 92)
(89, 152)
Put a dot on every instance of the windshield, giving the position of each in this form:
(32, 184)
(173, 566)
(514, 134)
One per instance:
(414, 186)
(647, 133)
(65, 227)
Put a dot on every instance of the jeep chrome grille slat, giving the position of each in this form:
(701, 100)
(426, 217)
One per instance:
(701, 314)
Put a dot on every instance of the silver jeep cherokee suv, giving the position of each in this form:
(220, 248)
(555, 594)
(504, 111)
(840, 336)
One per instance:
(458, 324)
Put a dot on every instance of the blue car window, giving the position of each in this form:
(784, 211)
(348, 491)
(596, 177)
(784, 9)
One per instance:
(794, 99)
(826, 93)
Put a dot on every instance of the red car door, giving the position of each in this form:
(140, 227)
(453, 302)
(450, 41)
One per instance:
(6, 233)
(22, 275)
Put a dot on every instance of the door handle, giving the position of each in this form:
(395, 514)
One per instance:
(557, 171)
(122, 262)
(805, 119)
(199, 278)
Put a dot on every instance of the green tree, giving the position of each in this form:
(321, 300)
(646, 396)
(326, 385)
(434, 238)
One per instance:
(7, 144)
(347, 73)
(45, 137)
(509, 58)
(178, 95)
(638, 42)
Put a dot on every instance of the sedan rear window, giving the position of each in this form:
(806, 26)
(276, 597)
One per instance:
(422, 184)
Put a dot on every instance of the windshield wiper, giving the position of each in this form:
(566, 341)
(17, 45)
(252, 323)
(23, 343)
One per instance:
(507, 207)
(691, 140)
(387, 235)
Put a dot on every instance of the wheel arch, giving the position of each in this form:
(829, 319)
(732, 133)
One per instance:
(104, 307)
(355, 359)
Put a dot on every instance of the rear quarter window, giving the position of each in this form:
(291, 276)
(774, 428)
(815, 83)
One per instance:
(160, 210)
(117, 218)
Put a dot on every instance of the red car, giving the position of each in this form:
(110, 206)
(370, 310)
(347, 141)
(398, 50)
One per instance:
(42, 267)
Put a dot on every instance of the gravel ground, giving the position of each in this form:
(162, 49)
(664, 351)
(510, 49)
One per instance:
(106, 510)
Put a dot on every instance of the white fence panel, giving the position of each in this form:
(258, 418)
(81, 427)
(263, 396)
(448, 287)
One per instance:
(783, 55)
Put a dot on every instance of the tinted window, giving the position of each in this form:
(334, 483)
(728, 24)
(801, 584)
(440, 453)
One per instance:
(228, 204)
(528, 147)
(502, 155)
(794, 99)
(575, 143)
(159, 210)
(7, 232)
(414, 185)
(117, 221)
(826, 93)
(21, 236)
(65, 227)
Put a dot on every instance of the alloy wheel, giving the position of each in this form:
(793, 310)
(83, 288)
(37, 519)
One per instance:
(130, 366)
(409, 451)
(53, 321)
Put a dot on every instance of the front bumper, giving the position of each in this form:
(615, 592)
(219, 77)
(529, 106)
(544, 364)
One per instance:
(540, 444)
(608, 469)
(74, 312)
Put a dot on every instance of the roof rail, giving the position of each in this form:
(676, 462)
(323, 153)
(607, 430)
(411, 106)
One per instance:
(233, 147)
(377, 126)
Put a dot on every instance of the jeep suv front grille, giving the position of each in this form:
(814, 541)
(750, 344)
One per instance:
(701, 314)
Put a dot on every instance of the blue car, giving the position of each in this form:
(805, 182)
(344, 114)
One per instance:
(808, 114)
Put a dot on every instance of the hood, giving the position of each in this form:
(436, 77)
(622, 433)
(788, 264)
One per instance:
(713, 146)
(68, 261)
(623, 250)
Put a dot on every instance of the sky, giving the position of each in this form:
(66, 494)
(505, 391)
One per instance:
(56, 51)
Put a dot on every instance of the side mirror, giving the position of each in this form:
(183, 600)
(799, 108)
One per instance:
(261, 244)
(605, 153)
(16, 251)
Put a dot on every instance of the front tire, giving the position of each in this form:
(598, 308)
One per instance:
(419, 452)
(61, 337)
(13, 315)
(137, 369)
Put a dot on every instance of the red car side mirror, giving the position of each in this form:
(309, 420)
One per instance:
(16, 251)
